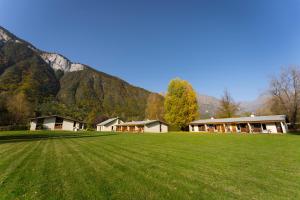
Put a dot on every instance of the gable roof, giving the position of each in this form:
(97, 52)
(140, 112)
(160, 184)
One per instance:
(270, 118)
(107, 121)
(49, 116)
(139, 123)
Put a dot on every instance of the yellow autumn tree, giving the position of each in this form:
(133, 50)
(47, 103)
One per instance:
(155, 107)
(181, 105)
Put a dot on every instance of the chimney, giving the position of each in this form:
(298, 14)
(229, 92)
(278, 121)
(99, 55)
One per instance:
(252, 115)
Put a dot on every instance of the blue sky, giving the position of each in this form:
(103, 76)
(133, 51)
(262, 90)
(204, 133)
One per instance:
(214, 44)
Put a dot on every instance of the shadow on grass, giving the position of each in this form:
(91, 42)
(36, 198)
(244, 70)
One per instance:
(294, 133)
(33, 137)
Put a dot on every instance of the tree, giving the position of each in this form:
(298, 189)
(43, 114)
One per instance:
(266, 107)
(285, 91)
(181, 105)
(100, 118)
(155, 107)
(227, 107)
(4, 114)
(91, 118)
(19, 108)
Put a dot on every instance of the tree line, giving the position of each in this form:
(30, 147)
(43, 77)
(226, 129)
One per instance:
(179, 106)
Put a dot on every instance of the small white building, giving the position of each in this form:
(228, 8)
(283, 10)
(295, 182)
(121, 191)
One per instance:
(55, 122)
(109, 125)
(252, 124)
(152, 126)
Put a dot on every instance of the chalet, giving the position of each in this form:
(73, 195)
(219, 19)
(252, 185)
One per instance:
(252, 124)
(153, 126)
(55, 122)
(109, 125)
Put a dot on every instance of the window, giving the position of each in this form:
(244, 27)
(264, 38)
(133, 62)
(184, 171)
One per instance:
(192, 127)
(243, 125)
(256, 125)
(59, 120)
(58, 123)
(264, 127)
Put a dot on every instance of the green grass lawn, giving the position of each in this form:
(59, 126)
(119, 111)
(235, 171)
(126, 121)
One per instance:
(90, 165)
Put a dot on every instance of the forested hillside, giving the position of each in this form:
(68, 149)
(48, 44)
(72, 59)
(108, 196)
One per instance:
(34, 82)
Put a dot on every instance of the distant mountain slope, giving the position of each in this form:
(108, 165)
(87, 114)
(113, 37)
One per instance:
(59, 86)
(209, 105)
(258, 103)
(22, 69)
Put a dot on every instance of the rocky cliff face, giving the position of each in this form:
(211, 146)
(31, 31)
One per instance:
(4, 36)
(59, 62)
(56, 61)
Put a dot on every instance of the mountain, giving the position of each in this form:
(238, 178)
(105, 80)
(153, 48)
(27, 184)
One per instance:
(55, 85)
(255, 105)
(209, 105)
(22, 69)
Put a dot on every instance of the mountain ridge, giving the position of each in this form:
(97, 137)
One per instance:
(43, 52)
(83, 91)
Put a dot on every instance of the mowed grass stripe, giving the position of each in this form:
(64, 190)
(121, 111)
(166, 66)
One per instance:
(14, 152)
(156, 154)
(49, 179)
(6, 147)
(17, 182)
(118, 164)
(14, 159)
(139, 157)
(149, 177)
(92, 182)
(63, 171)
(95, 168)
(73, 177)
(188, 182)
(166, 174)
(149, 166)
(138, 176)
(46, 179)
(221, 176)
(31, 186)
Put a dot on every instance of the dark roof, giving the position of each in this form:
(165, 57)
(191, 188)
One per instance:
(49, 116)
(271, 118)
(107, 121)
(137, 123)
